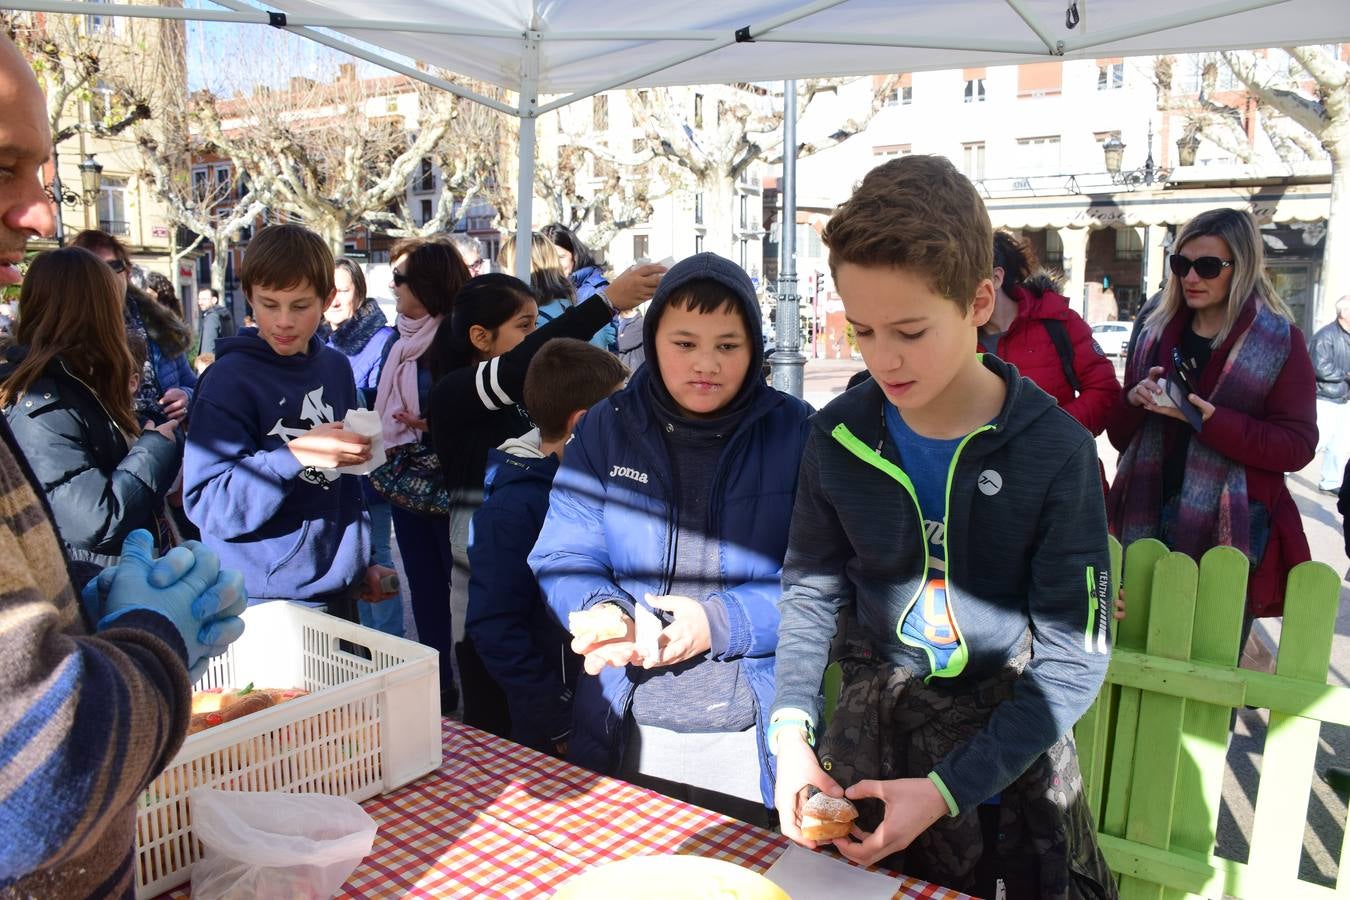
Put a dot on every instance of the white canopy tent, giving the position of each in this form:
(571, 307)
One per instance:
(568, 50)
(551, 53)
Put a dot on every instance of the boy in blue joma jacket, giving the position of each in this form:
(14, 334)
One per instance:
(951, 511)
(674, 496)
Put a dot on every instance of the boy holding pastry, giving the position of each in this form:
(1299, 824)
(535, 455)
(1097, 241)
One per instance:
(267, 436)
(942, 506)
(671, 509)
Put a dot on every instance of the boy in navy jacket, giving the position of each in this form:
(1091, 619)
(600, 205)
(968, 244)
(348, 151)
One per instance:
(259, 475)
(944, 507)
(522, 645)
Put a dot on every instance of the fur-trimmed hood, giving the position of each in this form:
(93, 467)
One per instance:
(161, 325)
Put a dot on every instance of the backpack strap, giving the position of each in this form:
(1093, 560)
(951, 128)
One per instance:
(1059, 336)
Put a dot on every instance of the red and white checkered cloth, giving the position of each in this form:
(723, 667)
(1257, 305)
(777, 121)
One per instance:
(499, 821)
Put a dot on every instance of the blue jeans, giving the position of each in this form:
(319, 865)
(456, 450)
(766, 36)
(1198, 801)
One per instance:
(387, 615)
(424, 542)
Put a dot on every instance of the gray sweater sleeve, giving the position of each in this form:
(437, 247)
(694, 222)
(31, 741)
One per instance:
(1070, 630)
(815, 587)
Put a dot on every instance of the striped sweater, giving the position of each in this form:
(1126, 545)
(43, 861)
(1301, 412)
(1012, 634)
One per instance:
(86, 721)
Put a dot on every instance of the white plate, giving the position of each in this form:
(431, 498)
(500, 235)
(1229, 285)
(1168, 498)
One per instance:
(669, 878)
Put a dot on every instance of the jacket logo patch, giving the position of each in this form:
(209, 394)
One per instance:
(990, 482)
(313, 412)
(625, 472)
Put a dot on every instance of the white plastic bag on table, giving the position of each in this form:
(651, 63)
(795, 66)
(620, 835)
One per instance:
(273, 846)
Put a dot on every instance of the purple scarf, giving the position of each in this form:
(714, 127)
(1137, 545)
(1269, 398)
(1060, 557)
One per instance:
(1212, 507)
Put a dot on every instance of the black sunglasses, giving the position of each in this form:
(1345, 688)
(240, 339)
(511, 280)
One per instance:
(400, 279)
(117, 265)
(1206, 266)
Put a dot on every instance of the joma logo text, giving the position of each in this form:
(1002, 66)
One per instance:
(625, 472)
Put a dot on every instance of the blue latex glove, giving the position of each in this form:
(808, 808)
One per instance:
(186, 586)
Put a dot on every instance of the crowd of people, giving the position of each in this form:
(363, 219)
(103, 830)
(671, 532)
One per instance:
(553, 456)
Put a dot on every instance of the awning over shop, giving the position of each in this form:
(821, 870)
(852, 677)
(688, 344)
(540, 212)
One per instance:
(1291, 203)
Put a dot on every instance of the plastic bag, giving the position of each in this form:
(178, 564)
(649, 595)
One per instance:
(275, 846)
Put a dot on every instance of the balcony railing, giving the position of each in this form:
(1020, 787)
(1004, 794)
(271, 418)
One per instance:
(118, 227)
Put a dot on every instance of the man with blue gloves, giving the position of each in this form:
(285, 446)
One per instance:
(94, 695)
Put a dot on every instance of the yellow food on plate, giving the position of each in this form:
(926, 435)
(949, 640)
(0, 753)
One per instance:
(669, 878)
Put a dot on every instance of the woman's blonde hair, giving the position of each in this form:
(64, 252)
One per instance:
(546, 273)
(70, 307)
(1237, 229)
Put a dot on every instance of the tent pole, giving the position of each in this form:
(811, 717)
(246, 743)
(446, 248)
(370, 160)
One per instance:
(787, 362)
(529, 118)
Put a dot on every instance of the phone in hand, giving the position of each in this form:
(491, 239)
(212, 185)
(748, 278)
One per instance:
(1180, 385)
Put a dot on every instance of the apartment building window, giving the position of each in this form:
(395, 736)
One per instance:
(808, 242)
(641, 246)
(721, 111)
(1038, 155)
(974, 92)
(222, 179)
(745, 213)
(1110, 74)
(426, 213)
(972, 160)
(745, 253)
(892, 151)
(101, 24)
(698, 208)
(112, 207)
(1054, 248)
(698, 110)
(639, 144)
(903, 93)
(1040, 79)
(1128, 244)
(1189, 74)
(426, 175)
(698, 243)
(201, 183)
(600, 112)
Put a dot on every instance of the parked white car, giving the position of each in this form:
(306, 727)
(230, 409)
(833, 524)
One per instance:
(1112, 337)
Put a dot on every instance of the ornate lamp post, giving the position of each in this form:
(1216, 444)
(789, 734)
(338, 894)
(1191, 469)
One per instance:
(91, 183)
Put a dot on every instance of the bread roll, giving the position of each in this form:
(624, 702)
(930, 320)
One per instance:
(600, 623)
(825, 818)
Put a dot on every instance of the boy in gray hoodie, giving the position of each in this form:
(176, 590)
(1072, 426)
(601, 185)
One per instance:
(944, 506)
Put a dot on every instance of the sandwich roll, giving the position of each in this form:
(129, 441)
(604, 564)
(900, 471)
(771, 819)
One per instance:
(604, 622)
(825, 818)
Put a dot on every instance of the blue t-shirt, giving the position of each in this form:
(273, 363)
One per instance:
(926, 461)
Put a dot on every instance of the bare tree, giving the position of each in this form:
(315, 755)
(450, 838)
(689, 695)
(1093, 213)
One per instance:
(216, 211)
(1302, 99)
(715, 133)
(596, 194)
(469, 163)
(338, 151)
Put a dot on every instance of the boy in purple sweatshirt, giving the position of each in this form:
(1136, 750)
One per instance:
(259, 475)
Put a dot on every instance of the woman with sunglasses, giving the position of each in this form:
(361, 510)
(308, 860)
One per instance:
(426, 277)
(1220, 404)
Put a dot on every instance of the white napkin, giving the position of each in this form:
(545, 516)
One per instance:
(808, 875)
(367, 422)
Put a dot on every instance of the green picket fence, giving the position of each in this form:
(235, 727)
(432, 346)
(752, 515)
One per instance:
(1153, 746)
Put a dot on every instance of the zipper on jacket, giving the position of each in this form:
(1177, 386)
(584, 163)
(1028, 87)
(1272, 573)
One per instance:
(957, 663)
(874, 459)
(130, 439)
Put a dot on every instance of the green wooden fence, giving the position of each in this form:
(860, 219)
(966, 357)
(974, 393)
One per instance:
(1153, 746)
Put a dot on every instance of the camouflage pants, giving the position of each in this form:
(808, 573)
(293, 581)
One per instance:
(889, 725)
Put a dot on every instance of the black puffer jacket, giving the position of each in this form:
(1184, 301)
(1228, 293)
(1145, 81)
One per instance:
(99, 487)
(1330, 351)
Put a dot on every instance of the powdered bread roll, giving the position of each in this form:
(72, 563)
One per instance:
(599, 623)
(825, 818)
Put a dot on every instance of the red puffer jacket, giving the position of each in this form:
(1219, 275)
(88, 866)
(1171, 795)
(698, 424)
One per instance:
(1028, 345)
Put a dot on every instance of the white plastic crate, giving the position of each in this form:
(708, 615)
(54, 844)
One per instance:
(366, 727)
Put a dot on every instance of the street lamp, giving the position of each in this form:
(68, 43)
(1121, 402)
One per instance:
(1113, 150)
(91, 183)
(1187, 145)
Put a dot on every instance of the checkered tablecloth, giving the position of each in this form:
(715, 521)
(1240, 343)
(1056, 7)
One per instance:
(499, 821)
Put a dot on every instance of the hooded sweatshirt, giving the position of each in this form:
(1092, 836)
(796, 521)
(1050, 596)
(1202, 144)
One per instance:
(296, 533)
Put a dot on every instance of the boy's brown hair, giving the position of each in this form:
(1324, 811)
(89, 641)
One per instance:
(567, 375)
(285, 257)
(916, 213)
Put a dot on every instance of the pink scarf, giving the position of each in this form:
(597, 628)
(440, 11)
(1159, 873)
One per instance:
(398, 381)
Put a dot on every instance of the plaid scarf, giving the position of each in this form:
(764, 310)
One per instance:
(1212, 508)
